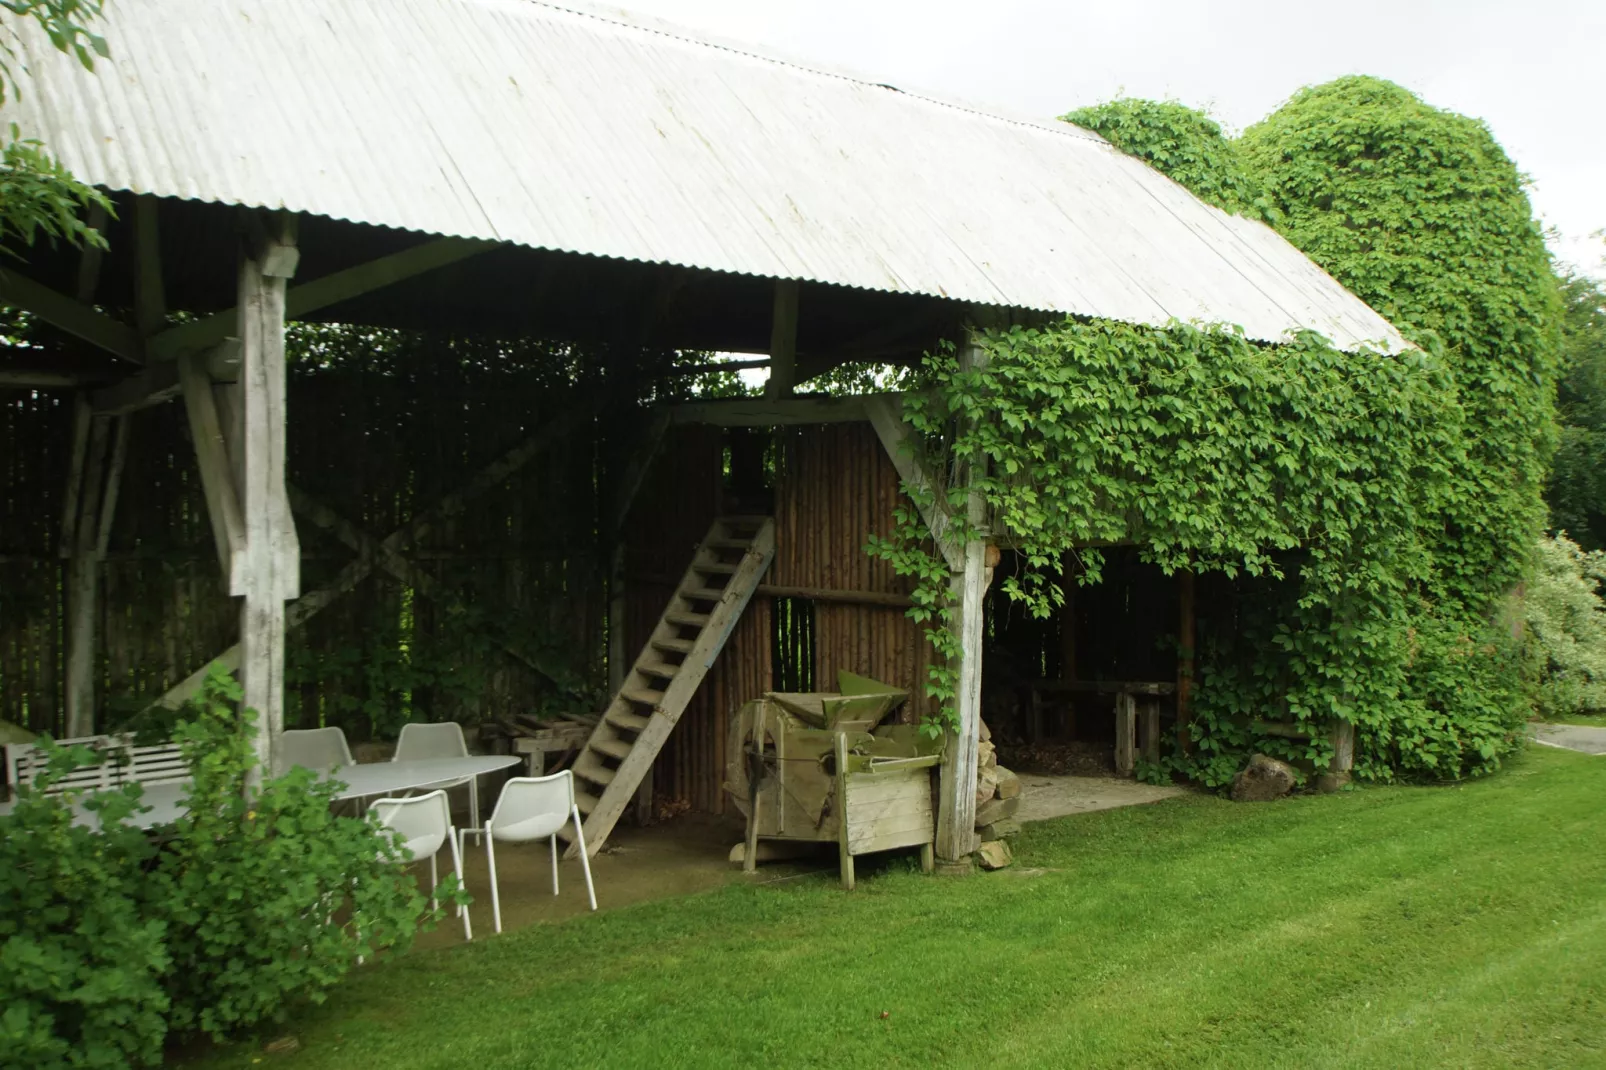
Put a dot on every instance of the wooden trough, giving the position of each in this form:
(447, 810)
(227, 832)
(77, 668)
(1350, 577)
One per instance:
(815, 768)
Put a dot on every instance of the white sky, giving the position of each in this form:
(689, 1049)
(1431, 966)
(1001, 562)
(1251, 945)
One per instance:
(1535, 71)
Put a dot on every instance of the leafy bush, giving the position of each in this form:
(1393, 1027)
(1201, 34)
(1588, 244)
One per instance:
(81, 961)
(260, 897)
(252, 881)
(1566, 619)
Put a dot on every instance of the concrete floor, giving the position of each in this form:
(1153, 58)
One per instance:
(1583, 738)
(690, 854)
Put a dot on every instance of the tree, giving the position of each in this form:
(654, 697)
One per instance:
(1577, 491)
(38, 197)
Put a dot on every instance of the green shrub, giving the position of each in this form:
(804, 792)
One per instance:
(260, 898)
(251, 884)
(1566, 619)
(81, 964)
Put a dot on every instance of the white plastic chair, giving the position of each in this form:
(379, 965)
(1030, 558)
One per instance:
(530, 809)
(443, 740)
(318, 749)
(425, 823)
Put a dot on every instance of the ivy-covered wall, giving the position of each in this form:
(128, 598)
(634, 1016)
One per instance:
(1374, 512)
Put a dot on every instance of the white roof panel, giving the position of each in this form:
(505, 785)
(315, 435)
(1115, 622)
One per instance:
(552, 128)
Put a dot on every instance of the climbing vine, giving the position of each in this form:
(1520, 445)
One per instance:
(1367, 512)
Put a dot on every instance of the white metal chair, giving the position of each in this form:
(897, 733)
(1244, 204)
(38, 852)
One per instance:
(319, 749)
(530, 809)
(442, 740)
(425, 823)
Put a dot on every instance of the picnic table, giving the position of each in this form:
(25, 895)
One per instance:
(360, 781)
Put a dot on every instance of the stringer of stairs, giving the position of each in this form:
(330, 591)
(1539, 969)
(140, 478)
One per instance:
(701, 615)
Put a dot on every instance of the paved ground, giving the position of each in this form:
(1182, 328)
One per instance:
(1043, 796)
(1572, 737)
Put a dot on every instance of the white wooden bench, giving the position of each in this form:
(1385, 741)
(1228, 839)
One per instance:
(124, 763)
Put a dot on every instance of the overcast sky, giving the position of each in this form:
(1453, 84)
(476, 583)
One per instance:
(1535, 71)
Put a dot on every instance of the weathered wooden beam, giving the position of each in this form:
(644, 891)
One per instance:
(83, 575)
(83, 418)
(956, 815)
(1185, 656)
(91, 258)
(44, 379)
(268, 570)
(1125, 733)
(783, 341)
(323, 292)
(74, 317)
(217, 481)
(114, 483)
(762, 412)
(150, 294)
(898, 439)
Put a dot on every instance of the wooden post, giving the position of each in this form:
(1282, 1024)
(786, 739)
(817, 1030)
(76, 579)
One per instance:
(956, 815)
(1125, 729)
(1185, 647)
(1151, 729)
(268, 569)
(83, 585)
(1337, 776)
(783, 341)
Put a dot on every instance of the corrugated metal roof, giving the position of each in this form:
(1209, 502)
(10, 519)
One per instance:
(547, 127)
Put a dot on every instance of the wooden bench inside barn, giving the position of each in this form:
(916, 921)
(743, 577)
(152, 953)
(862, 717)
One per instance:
(1137, 713)
(122, 762)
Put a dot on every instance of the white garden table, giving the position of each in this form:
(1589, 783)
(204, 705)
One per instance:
(358, 781)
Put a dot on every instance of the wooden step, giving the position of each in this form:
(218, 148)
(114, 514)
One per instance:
(717, 568)
(642, 695)
(703, 594)
(585, 802)
(661, 669)
(589, 767)
(687, 620)
(627, 720)
(616, 749)
(674, 646)
(729, 544)
(752, 523)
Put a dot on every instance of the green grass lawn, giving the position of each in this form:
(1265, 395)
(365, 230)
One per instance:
(1597, 720)
(1388, 927)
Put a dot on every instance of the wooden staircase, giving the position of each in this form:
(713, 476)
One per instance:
(700, 616)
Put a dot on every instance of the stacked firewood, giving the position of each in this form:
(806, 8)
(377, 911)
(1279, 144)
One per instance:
(997, 799)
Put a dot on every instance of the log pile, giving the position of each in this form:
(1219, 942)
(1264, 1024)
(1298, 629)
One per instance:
(997, 800)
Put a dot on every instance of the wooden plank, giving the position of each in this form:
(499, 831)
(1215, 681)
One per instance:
(74, 317)
(1125, 729)
(82, 421)
(956, 815)
(1150, 714)
(223, 506)
(1185, 656)
(898, 439)
(844, 801)
(755, 412)
(323, 292)
(150, 295)
(783, 341)
(114, 483)
(83, 589)
(1105, 687)
(150, 386)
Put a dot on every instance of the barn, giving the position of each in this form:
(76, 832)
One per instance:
(394, 390)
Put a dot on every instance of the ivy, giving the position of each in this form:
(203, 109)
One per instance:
(1368, 514)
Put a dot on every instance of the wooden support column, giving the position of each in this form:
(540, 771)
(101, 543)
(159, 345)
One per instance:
(83, 584)
(1337, 776)
(1126, 707)
(956, 815)
(783, 341)
(1185, 655)
(268, 572)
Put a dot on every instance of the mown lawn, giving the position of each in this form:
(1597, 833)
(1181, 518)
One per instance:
(1400, 927)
